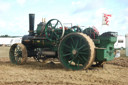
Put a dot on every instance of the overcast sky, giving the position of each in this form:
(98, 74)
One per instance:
(14, 14)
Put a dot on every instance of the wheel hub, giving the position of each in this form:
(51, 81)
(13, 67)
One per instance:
(74, 52)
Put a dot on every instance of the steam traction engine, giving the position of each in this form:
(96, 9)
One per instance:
(75, 49)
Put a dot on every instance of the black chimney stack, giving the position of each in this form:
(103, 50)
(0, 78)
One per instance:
(31, 24)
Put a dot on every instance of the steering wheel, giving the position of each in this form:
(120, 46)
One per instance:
(54, 30)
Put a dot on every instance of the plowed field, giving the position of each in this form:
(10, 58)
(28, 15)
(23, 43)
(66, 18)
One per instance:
(34, 73)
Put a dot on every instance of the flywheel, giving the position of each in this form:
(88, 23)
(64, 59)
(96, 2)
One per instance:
(54, 30)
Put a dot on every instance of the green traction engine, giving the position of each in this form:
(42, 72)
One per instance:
(75, 48)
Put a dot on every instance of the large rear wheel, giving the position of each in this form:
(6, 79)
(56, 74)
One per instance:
(18, 53)
(76, 51)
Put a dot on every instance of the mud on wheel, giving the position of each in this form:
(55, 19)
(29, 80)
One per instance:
(18, 53)
(76, 51)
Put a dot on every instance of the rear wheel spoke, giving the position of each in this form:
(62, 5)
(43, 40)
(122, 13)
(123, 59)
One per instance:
(77, 44)
(66, 46)
(72, 41)
(72, 46)
(67, 54)
(83, 53)
(80, 58)
(74, 57)
(81, 47)
(84, 58)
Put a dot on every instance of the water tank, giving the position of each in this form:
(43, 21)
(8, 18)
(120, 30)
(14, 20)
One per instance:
(126, 44)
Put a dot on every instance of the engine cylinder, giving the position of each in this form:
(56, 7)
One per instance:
(49, 53)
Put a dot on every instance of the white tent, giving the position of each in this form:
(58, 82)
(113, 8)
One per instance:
(9, 41)
(15, 40)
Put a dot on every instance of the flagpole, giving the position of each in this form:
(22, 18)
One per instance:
(102, 21)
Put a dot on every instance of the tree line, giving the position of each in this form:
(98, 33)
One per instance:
(4, 36)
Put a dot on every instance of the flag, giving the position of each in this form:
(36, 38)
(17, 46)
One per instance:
(105, 19)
